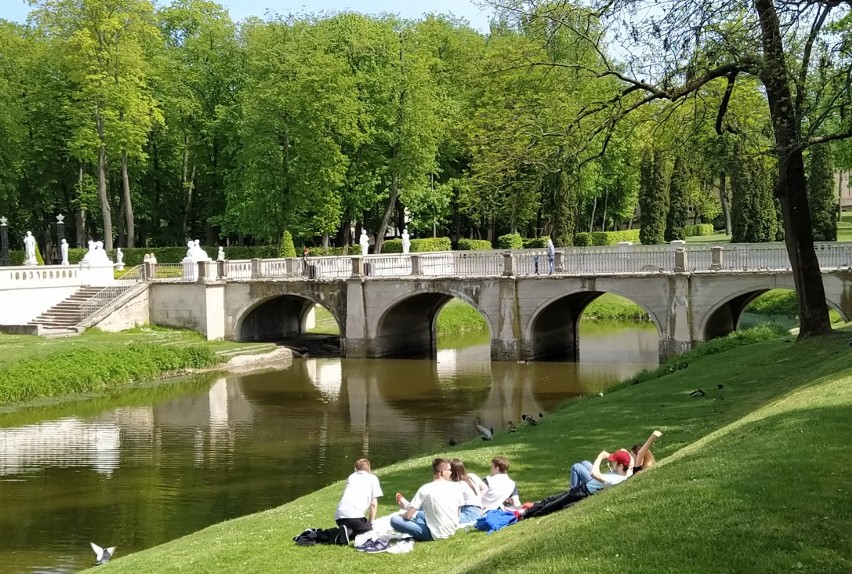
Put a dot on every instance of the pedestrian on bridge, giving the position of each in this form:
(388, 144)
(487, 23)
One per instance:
(551, 254)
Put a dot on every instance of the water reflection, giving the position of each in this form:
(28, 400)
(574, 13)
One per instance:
(142, 475)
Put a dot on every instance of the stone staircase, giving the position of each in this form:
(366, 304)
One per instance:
(63, 317)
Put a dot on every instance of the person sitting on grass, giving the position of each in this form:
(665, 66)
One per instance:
(620, 468)
(360, 495)
(502, 491)
(433, 513)
(472, 488)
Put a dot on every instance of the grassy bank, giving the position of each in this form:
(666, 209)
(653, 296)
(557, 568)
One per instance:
(34, 368)
(751, 478)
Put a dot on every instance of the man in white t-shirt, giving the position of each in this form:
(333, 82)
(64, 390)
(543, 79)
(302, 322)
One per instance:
(433, 513)
(501, 488)
(360, 495)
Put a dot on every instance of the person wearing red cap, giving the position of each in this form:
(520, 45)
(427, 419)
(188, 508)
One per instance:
(620, 468)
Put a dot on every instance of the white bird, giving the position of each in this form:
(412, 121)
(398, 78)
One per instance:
(487, 434)
(102, 554)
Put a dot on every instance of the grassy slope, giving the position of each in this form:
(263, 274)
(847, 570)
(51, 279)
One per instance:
(754, 482)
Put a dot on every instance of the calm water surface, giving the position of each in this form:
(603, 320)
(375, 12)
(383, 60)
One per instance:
(150, 466)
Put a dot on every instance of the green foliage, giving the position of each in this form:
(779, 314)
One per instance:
(822, 194)
(734, 340)
(287, 248)
(610, 307)
(510, 241)
(754, 212)
(458, 318)
(93, 369)
(427, 244)
(473, 245)
(680, 190)
(535, 242)
(653, 198)
(698, 230)
(606, 237)
(336, 251)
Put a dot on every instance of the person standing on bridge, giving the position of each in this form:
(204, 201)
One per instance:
(551, 254)
(359, 496)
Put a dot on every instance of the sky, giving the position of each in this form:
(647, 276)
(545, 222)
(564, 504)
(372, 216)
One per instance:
(17, 10)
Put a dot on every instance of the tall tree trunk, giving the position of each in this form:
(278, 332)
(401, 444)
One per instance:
(383, 226)
(106, 211)
(128, 203)
(791, 187)
(81, 213)
(187, 184)
(725, 200)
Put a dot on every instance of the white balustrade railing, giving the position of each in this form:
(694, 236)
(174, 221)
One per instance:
(238, 269)
(108, 294)
(598, 260)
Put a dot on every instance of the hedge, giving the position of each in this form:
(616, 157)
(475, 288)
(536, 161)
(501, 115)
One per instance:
(536, 242)
(287, 248)
(335, 251)
(698, 230)
(606, 237)
(474, 245)
(418, 245)
(510, 241)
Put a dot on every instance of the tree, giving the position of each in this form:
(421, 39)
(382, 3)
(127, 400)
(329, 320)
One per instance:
(106, 43)
(653, 198)
(679, 193)
(752, 205)
(822, 195)
(671, 55)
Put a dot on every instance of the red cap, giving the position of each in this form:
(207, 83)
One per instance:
(620, 457)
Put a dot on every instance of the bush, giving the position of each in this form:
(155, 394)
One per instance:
(473, 245)
(586, 239)
(426, 245)
(287, 248)
(335, 251)
(510, 241)
(429, 244)
(698, 230)
(536, 242)
(134, 256)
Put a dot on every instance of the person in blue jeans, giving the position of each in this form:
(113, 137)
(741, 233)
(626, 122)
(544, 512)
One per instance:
(433, 513)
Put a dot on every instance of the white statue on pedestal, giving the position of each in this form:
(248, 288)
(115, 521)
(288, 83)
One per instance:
(406, 241)
(63, 249)
(99, 255)
(119, 260)
(221, 255)
(29, 248)
(197, 253)
(365, 242)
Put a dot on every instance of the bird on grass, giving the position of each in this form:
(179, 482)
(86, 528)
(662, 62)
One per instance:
(512, 427)
(721, 394)
(698, 393)
(453, 441)
(529, 420)
(102, 555)
(487, 434)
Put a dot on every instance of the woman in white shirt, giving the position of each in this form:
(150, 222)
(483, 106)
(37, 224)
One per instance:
(472, 488)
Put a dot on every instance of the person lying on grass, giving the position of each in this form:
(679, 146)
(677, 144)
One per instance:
(586, 480)
(642, 454)
(433, 513)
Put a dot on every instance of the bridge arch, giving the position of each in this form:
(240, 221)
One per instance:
(553, 330)
(406, 327)
(277, 316)
(724, 316)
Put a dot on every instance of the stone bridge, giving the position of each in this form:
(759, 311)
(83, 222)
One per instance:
(387, 305)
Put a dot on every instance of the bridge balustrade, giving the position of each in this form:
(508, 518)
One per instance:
(390, 265)
(239, 269)
(833, 255)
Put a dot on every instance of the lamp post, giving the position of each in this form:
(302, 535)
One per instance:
(4, 243)
(60, 235)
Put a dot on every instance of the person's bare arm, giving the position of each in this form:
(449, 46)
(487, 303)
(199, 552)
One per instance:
(640, 456)
(374, 505)
(409, 514)
(596, 467)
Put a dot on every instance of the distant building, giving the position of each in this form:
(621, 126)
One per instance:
(844, 190)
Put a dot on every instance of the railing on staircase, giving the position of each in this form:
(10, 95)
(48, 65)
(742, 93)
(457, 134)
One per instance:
(108, 294)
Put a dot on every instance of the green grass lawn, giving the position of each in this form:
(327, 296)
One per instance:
(752, 480)
(716, 238)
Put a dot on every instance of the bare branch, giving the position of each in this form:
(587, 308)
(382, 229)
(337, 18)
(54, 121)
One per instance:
(726, 98)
